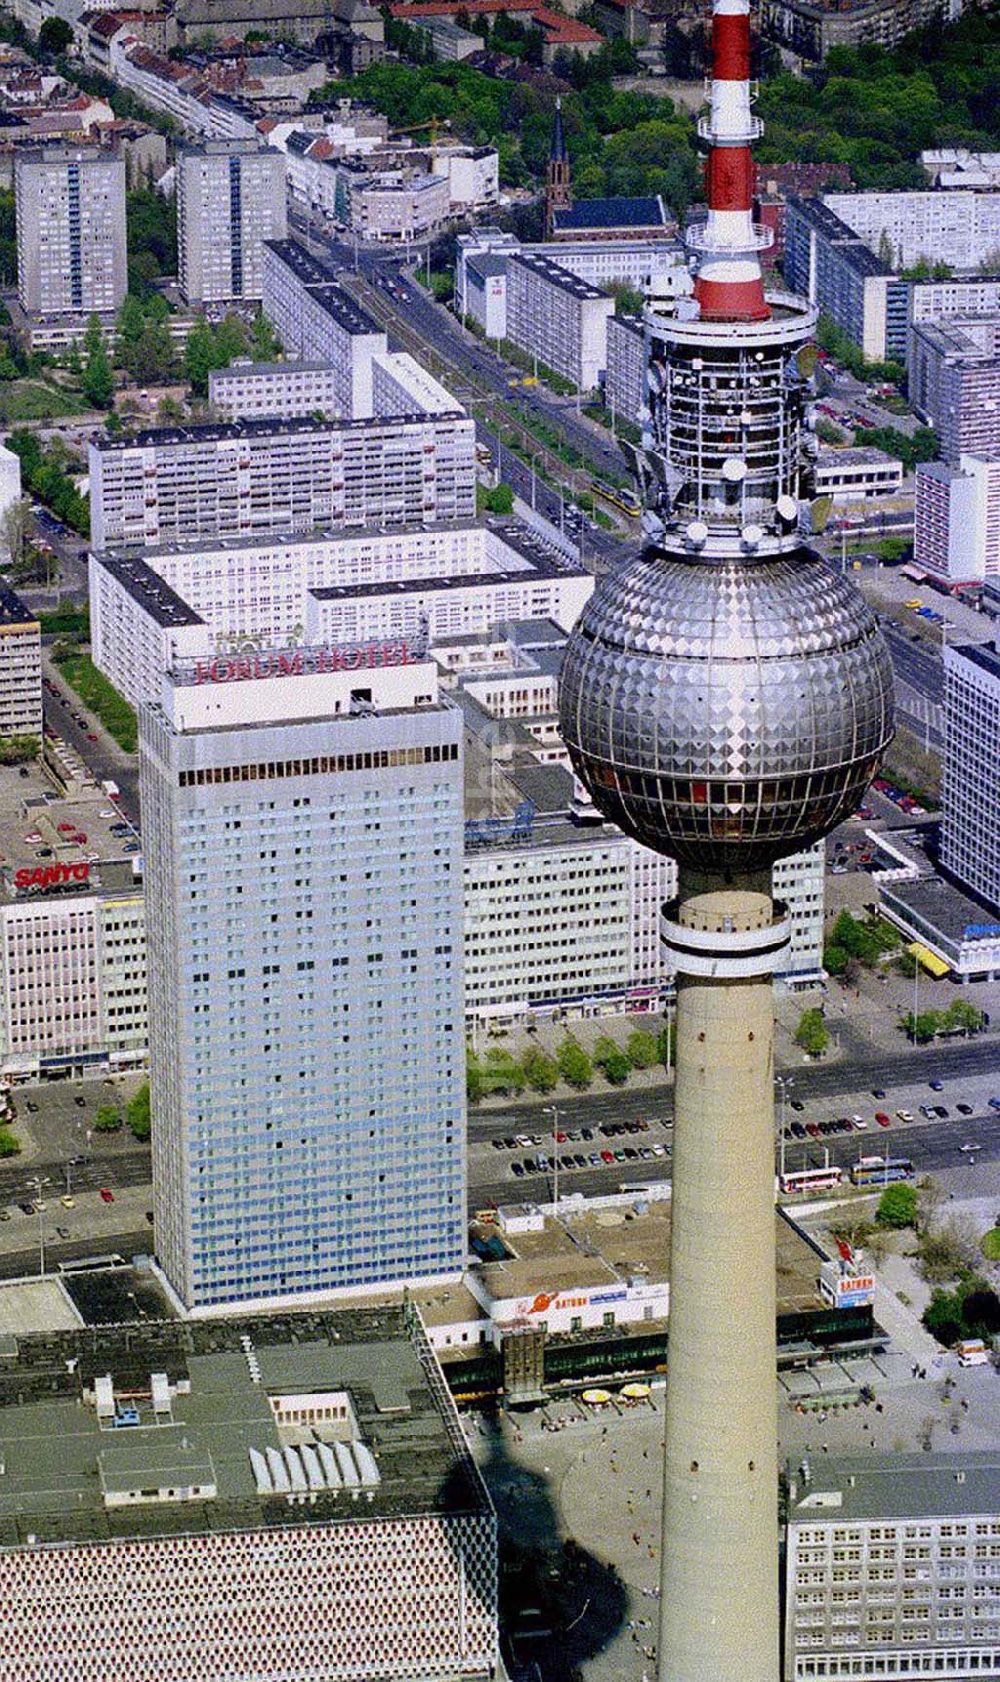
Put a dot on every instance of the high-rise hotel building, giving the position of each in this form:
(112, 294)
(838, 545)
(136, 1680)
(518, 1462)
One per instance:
(303, 845)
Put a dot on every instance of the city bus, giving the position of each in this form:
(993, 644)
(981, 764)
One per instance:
(810, 1179)
(624, 499)
(880, 1170)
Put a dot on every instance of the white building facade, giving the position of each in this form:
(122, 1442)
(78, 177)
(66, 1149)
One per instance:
(970, 795)
(303, 840)
(318, 323)
(70, 207)
(284, 476)
(559, 318)
(20, 669)
(956, 528)
(230, 199)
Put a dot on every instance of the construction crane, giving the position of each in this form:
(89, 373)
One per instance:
(434, 123)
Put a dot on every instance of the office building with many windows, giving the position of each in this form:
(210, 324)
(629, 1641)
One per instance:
(249, 478)
(230, 199)
(892, 1568)
(303, 851)
(970, 795)
(956, 518)
(70, 207)
(558, 317)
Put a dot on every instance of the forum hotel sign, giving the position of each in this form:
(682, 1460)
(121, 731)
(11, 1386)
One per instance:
(305, 660)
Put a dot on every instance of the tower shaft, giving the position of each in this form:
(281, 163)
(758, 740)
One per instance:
(719, 1579)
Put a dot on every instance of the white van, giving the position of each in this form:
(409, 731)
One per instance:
(972, 1352)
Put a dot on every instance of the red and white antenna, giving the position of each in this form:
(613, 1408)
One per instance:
(728, 285)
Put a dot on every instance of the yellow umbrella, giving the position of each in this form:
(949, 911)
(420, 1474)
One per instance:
(636, 1392)
(596, 1398)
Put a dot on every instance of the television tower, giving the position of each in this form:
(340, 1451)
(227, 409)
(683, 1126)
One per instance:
(726, 698)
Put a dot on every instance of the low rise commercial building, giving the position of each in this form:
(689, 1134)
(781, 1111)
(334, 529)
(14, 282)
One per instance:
(447, 40)
(317, 322)
(288, 1498)
(559, 318)
(892, 1567)
(956, 530)
(72, 935)
(953, 369)
(245, 478)
(394, 205)
(20, 668)
(854, 474)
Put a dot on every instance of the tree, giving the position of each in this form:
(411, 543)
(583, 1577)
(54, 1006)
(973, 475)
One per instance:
(981, 1311)
(475, 1083)
(265, 346)
(8, 1144)
(200, 357)
(961, 1014)
(897, 1206)
(154, 358)
(574, 1065)
(18, 750)
(55, 36)
(497, 499)
(137, 1113)
(14, 527)
(539, 1069)
(107, 1120)
(812, 1033)
(98, 380)
(503, 1073)
(641, 1048)
(943, 1317)
(131, 321)
(612, 1061)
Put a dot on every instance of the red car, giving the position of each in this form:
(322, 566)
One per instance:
(607, 1156)
(812, 1130)
(560, 1138)
(105, 1195)
(882, 1119)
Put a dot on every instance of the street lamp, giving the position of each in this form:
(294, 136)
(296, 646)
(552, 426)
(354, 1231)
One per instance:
(550, 1109)
(38, 1183)
(785, 1084)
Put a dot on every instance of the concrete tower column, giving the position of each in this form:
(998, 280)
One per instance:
(719, 1582)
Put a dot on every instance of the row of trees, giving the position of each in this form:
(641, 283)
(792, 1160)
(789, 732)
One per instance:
(500, 1072)
(960, 1018)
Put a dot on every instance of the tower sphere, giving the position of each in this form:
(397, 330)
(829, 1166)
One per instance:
(726, 713)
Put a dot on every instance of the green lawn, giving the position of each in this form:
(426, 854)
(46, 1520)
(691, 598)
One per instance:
(32, 400)
(102, 698)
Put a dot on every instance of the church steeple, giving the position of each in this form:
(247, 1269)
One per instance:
(558, 186)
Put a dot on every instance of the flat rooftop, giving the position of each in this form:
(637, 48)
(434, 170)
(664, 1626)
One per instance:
(209, 546)
(595, 1247)
(40, 828)
(59, 1461)
(549, 268)
(953, 915)
(259, 431)
(13, 610)
(896, 1486)
(148, 589)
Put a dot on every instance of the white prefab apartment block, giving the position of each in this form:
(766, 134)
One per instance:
(303, 851)
(279, 390)
(295, 1501)
(230, 199)
(20, 668)
(252, 477)
(953, 370)
(10, 489)
(201, 600)
(625, 380)
(933, 300)
(956, 520)
(892, 1568)
(70, 206)
(970, 796)
(317, 322)
(559, 318)
(963, 226)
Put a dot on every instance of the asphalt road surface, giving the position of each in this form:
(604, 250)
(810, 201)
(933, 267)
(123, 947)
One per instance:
(98, 758)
